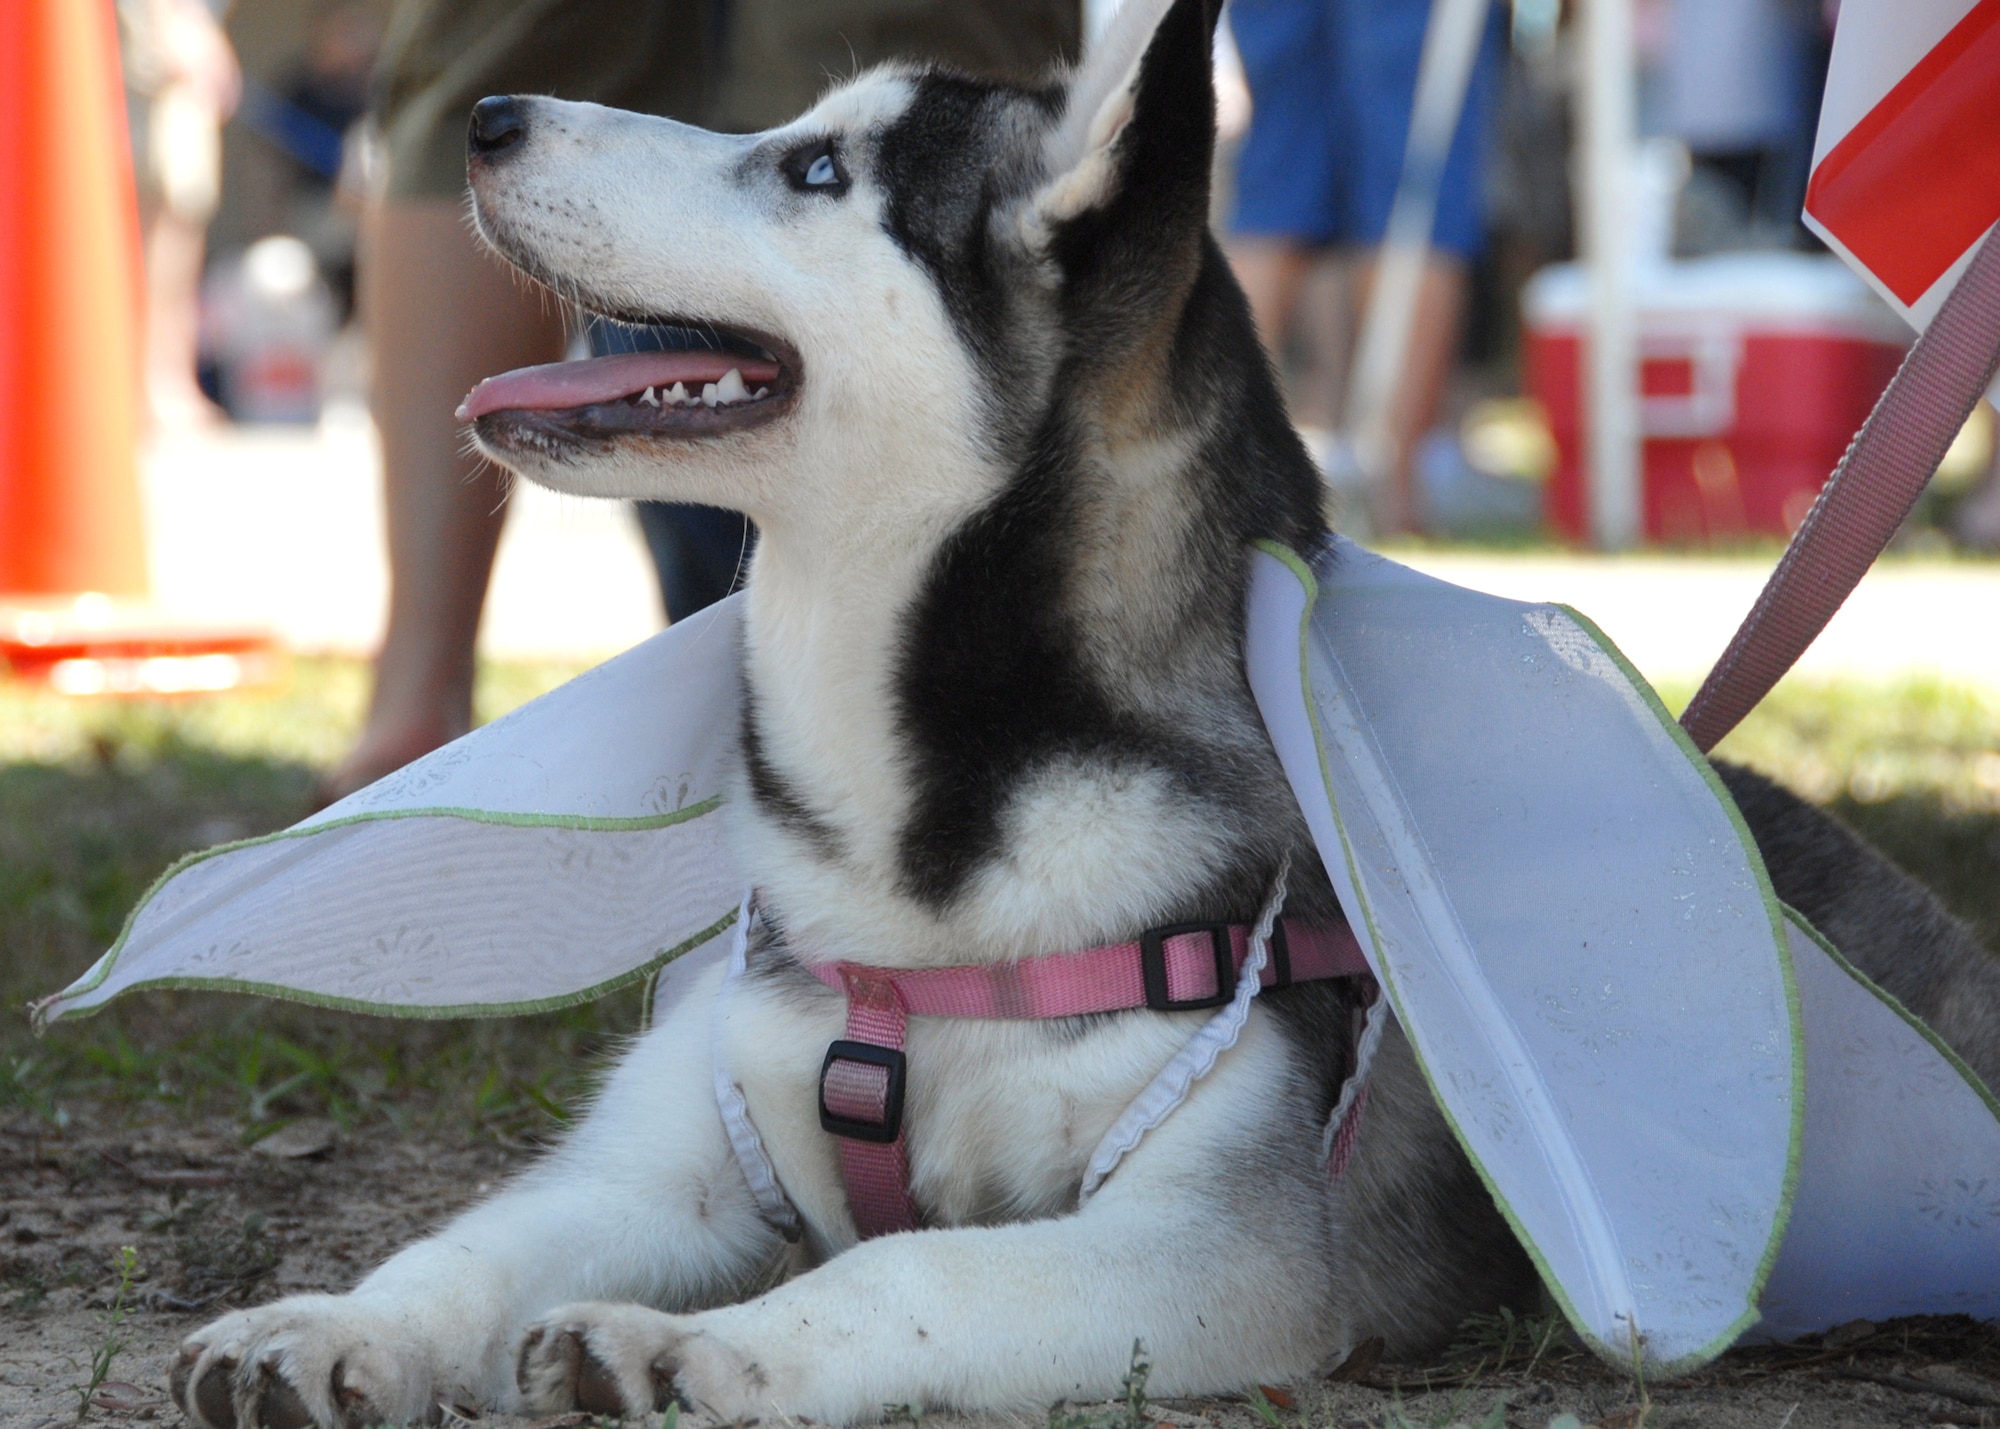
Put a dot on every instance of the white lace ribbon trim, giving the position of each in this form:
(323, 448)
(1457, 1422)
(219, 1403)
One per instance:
(755, 1162)
(1373, 1021)
(1195, 1060)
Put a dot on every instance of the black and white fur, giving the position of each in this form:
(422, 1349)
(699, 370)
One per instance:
(1006, 487)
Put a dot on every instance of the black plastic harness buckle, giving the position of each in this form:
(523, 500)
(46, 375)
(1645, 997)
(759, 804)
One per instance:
(1153, 966)
(867, 1054)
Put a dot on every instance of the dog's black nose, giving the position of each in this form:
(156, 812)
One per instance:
(498, 122)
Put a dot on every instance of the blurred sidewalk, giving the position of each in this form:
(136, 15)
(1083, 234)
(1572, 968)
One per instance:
(283, 526)
(1672, 616)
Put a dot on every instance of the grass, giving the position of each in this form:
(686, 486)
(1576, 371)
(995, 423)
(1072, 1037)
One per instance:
(112, 1342)
(96, 798)
(1506, 1341)
(1132, 1412)
(1913, 766)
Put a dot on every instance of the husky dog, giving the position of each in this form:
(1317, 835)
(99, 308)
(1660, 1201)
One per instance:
(1001, 416)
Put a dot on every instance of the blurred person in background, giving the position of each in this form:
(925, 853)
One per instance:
(182, 81)
(1738, 82)
(309, 114)
(1332, 84)
(442, 313)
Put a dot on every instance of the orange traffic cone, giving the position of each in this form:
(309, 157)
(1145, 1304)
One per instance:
(69, 307)
(71, 534)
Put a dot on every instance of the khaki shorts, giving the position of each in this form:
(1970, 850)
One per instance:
(740, 66)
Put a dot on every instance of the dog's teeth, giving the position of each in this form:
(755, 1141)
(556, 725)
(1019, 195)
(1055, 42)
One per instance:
(649, 399)
(678, 393)
(761, 392)
(708, 394)
(731, 388)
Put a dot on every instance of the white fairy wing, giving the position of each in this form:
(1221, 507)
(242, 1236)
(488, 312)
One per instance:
(1898, 1208)
(540, 861)
(1571, 925)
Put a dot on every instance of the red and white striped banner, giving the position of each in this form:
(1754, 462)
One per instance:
(1906, 169)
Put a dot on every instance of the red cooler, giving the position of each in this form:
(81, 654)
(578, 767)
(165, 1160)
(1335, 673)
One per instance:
(1755, 371)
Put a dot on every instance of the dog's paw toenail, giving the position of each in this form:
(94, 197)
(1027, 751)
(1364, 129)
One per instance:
(278, 1403)
(177, 1377)
(665, 1391)
(524, 1369)
(458, 1408)
(597, 1389)
(211, 1394)
(355, 1406)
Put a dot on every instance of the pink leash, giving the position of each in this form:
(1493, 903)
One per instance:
(1885, 470)
(1181, 968)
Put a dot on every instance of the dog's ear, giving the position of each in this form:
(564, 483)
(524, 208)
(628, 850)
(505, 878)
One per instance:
(1128, 165)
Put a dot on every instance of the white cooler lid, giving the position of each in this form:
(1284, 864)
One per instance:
(1785, 291)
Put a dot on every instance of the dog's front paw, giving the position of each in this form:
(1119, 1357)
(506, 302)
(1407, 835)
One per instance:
(626, 1359)
(310, 1362)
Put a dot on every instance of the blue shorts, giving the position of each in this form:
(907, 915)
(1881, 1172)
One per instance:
(1331, 86)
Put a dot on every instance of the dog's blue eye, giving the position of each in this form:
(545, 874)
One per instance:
(822, 172)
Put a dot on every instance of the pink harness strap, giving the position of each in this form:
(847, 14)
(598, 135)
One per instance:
(1180, 968)
(861, 1102)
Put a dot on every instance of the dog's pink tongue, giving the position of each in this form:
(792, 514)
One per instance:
(556, 385)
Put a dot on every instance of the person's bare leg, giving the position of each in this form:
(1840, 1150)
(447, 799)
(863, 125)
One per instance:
(1323, 338)
(1272, 272)
(441, 313)
(1978, 524)
(1434, 343)
(174, 250)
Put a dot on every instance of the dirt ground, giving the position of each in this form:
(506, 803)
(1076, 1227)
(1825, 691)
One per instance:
(214, 1225)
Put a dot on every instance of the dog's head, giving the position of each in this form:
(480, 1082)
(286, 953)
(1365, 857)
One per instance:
(985, 382)
(904, 287)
